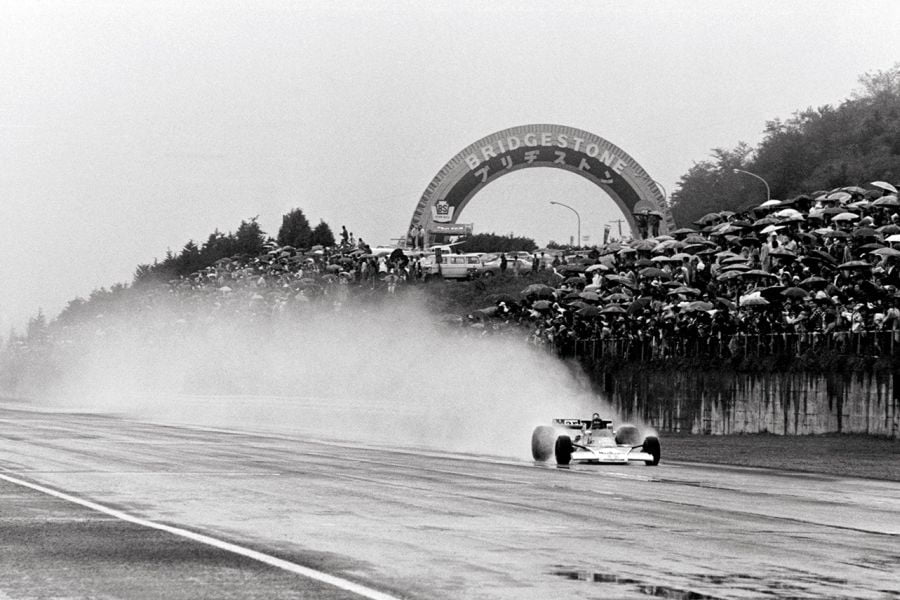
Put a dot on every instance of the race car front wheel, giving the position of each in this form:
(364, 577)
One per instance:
(542, 442)
(563, 450)
(651, 447)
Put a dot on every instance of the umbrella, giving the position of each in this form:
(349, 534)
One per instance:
(542, 305)
(814, 282)
(770, 203)
(695, 239)
(782, 253)
(735, 267)
(845, 216)
(684, 231)
(788, 213)
(588, 311)
(659, 259)
(639, 304)
(759, 273)
(613, 309)
(822, 255)
(575, 281)
(886, 252)
(871, 246)
(617, 297)
(590, 296)
(753, 300)
(795, 293)
(836, 233)
(771, 228)
(893, 239)
(727, 275)
(887, 201)
(333, 268)
(708, 218)
(597, 267)
(667, 244)
(538, 289)
(734, 260)
(698, 305)
(622, 280)
(483, 313)
(839, 196)
(728, 304)
(684, 290)
(681, 256)
(864, 232)
(884, 185)
(579, 304)
(644, 245)
(651, 272)
(855, 264)
(888, 229)
(853, 189)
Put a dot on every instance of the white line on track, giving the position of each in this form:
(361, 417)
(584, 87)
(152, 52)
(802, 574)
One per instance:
(273, 561)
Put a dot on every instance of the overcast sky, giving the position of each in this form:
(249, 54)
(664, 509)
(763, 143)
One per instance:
(128, 128)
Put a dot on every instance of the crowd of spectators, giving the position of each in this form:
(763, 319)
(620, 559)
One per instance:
(816, 269)
(820, 266)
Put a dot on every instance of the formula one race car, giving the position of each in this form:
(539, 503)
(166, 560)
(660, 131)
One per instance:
(593, 441)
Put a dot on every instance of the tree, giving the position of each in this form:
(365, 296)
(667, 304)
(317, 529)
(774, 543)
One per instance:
(250, 237)
(295, 230)
(491, 242)
(322, 235)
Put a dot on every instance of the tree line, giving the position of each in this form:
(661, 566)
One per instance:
(248, 241)
(824, 148)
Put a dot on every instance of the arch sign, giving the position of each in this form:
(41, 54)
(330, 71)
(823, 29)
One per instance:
(526, 146)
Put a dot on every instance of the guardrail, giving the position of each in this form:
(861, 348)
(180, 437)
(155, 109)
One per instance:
(880, 343)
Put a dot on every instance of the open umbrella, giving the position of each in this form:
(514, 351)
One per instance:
(539, 290)
(728, 275)
(688, 291)
(613, 309)
(683, 231)
(589, 296)
(814, 282)
(597, 267)
(888, 229)
(652, 272)
(886, 252)
(542, 305)
(855, 265)
(588, 311)
(864, 232)
(753, 300)
(617, 297)
(795, 292)
(759, 273)
(884, 185)
(845, 216)
(697, 306)
(893, 239)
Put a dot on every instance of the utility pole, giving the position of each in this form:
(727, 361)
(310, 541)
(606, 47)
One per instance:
(619, 221)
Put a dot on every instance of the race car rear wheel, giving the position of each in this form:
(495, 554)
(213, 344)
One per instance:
(563, 450)
(651, 446)
(628, 435)
(542, 442)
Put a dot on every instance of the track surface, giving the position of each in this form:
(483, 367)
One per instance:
(420, 525)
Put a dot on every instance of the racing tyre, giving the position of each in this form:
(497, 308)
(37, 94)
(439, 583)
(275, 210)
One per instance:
(651, 446)
(563, 450)
(542, 442)
(628, 435)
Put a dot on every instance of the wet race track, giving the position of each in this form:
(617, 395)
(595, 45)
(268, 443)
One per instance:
(150, 511)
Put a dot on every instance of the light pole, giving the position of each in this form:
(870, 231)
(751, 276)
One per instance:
(578, 239)
(768, 192)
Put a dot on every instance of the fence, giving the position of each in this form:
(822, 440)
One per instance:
(879, 344)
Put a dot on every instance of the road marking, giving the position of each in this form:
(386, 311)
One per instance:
(273, 561)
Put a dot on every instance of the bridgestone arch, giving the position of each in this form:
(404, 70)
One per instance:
(526, 146)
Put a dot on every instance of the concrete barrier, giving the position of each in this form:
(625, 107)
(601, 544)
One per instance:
(789, 403)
